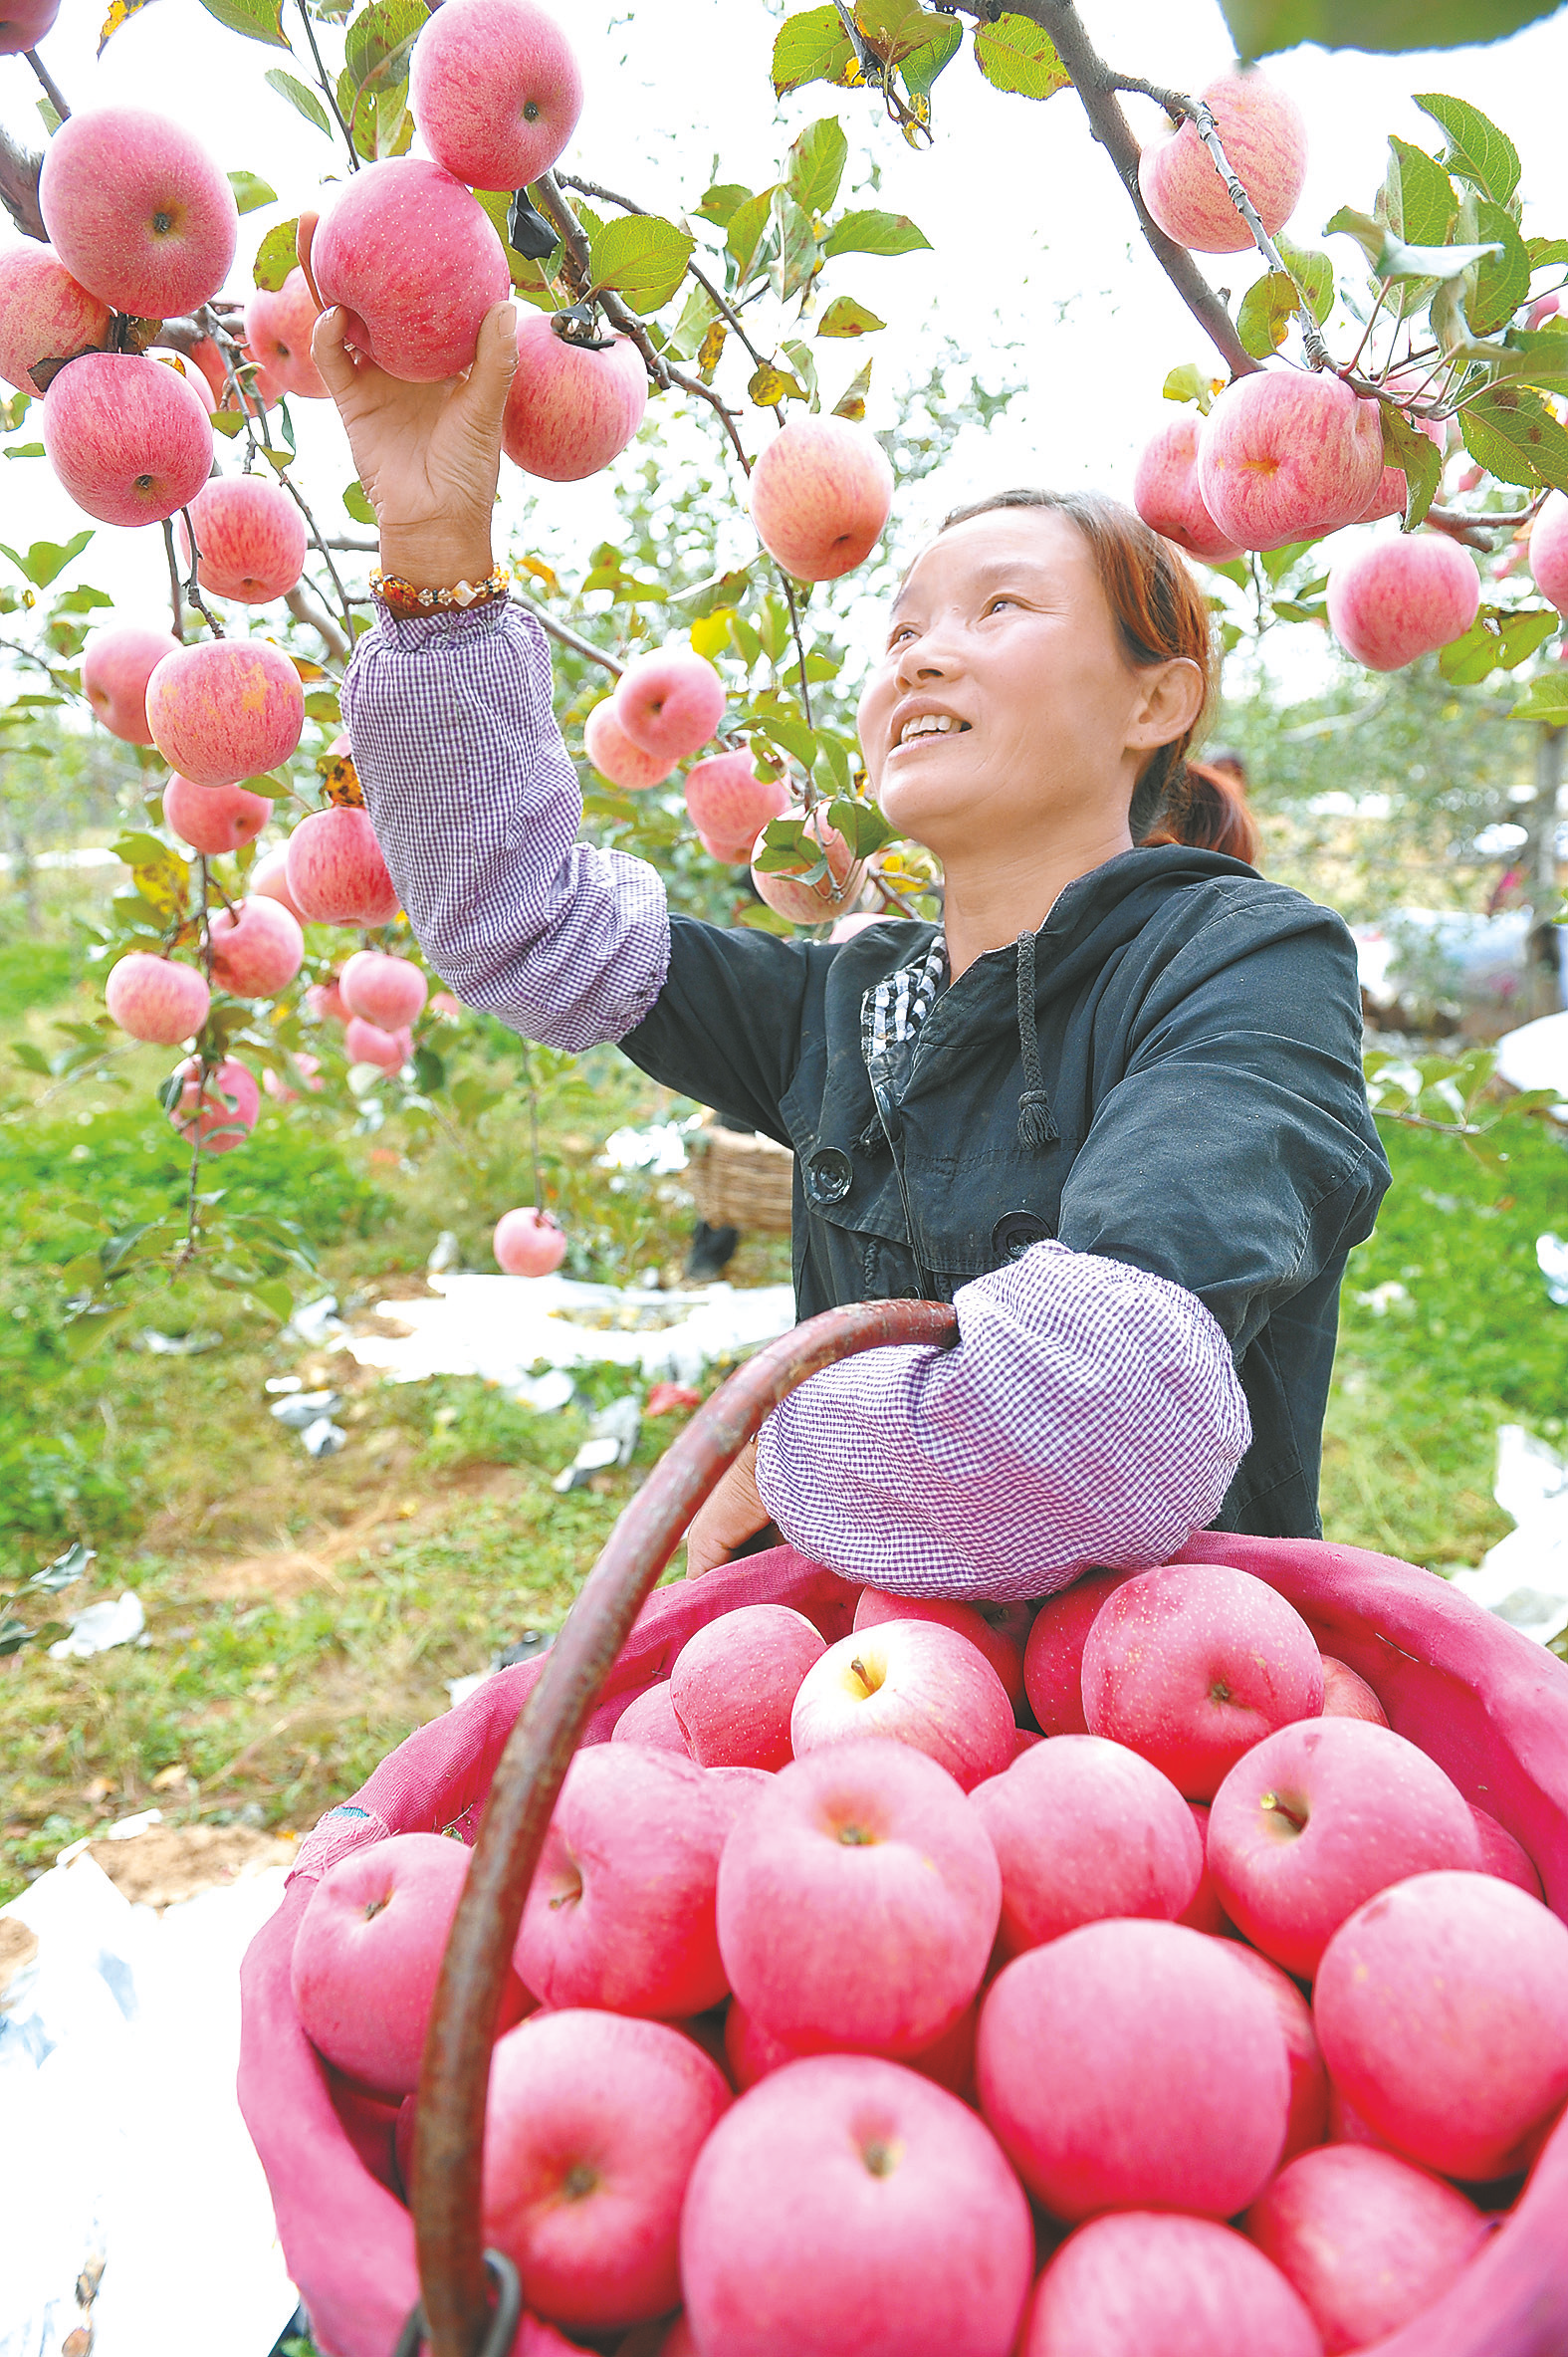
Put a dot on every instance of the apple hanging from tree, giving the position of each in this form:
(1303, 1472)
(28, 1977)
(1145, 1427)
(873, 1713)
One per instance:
(1166, 493)
(268, 879)
(335, 869)
(138, 211)
(257, 950)
(811, 903)
(156, 999)
(528, 1243)
(214, 819)
(44, 314)
(1402, 598)
(414, 262)
(729, 805)
(1550, 551)
(1263, 132)
(495, 91)
(23, 24)
(278, 335)
(669, 702)
(116, 664)
(1282, 456)
(616, 756)
(251, 539)
(386, 990)
(820, 496)
(217, 1108)
(225, 709)
(127, 436)
(367, 1043)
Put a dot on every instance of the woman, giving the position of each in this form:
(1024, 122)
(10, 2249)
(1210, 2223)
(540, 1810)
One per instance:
(1114, 1109)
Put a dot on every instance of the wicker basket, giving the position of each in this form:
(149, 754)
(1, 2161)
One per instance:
(741, 1181)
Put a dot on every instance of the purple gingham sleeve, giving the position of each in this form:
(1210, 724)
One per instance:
(476, 805)
(1091, 1413)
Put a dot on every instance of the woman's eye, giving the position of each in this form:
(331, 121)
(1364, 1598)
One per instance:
(1002, 600)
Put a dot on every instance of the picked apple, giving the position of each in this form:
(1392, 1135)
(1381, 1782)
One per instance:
(649, 1717)
(1501, 1856)
(412, 258)
(1346, 1695)
(1143, 2283)
(1306, 2121)
(1368, 2240)
(734, 1683)
(999, 1631)
(1053, 1655)
(915, 1681)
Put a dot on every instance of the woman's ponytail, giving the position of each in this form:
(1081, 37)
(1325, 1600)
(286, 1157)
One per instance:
(1206, 809)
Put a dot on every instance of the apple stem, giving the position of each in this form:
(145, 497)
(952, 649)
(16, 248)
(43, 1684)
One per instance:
(50, 86)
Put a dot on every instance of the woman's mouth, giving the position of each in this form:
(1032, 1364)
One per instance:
(927, 725)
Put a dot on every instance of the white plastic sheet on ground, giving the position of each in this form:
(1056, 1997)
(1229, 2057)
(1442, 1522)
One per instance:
(122, 2139)
(499, 1327)
(1536, 1057)
(1524, 1577)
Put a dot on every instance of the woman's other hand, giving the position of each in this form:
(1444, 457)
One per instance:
(733, 1514)
(428, 456)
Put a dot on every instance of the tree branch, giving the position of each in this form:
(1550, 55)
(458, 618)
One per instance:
(305, 608)
(51, 87)
(721, 303)
(19, 169)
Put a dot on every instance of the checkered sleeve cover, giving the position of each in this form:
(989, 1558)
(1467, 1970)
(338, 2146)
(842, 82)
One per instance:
(476, 806)
(1091, 1413)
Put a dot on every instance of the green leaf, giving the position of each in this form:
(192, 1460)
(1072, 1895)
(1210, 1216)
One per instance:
(698, 314)
(1370, 234)
(791, 736)
(1418, 197)
(1418, 458)
(1477, 150)
(82, 601)
(1189, 383)
(816, 165)
(845, 317)
(46, 560)
(378, 43)
(813, 47)
(1501, 284)
(1497, 640)
(276, 785)
(768, 386)
(1510, 431)
(24, 450)
(227, 422)
(643, 258)
(1313, 273)
(32, 1058)
(1538, 357)
(251, 191)
(761, 919)
(744, 233)
(796, 261)
(83, 1335)
(358, 505)
(874, 233)
(276, 256)
(1014, 55)
(257, 20)
(1546, 253)
(1545, 699)
(275, 1295)
(722, 202)
(1266, 311)
(1260, 28)
(1399, 261)
(300, 96)
(861, 825)
(921, 65)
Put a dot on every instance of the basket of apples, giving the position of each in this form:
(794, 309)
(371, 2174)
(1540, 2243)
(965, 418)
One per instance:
(780, 1968)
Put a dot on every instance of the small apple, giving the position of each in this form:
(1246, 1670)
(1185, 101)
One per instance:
(495, 91)
(156, 999)
(116, 664)
(573, 407)
(414, 260)
(217, 1106)
(1399, 599)
(1283, 456)
(1140, 2283)
(1263, 136)
(335, 869)
(1166, 493)
(1368, 2240)
(250, 537)
(44, 314)
(225, 709)
(734, 1683)
(257, 950)
(1347, 1696)
(787, 891)
(1501, 1856)
(820, 496)
(1000, 1631)
(650, 1716)
(268, 879)
(213, 818)
(324, 1002)
(138, 211)
(278, 331)
(915, 1681)
(729, 805)
(669, 702)
(528, 1243)
(127, 438)
(616, 756)
(1053, 1656)
(386, 990)
(366, 1042)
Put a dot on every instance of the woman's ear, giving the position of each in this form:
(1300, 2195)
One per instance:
(1170, 701)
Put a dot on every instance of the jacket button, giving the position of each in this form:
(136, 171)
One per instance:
(1015, 1231)
(828, 1175)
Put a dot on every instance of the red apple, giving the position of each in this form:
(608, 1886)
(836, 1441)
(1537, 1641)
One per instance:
(1367, 2241)
(650, 1718)
(213, 818)
(495, 91)
(915, 1681)
(366, 1042)
(1083, 1829)
(1393, 492)
(1306, 2122)
(116, 664)
(811, 903)
(367, 1956)
(528, 1243)
(250, 537)
(1347, 1696)
(1053, 1656)
(1263, 136)
(573, 407)
(126, 437)
(669, 701)
(858, 1899)
(1204, 1913)
(1191, 1664)
(269, 880)
(1399, 599)
(225, 709)
(216, 1106)
(308, 1066)
(621, 1909)
(591, 2131)
(733, 1685)
(749, 2050)
(278, 331)
(324, 1000)
(729, 805)
(997, 1630)
(1550, 551)
(845, 2208)
(1283, 456)
(821, 494)
(1441, 2009)
(209, 360)
(23, 24)
(138, 211)
(44, 314)
(335, 872)
(257, 951)
(1134, 2066)
(414, 262)
(616, 756)
(156, 999)
(1166, 493)
(1145, 2286)
(1501, 1856)
(385, 989)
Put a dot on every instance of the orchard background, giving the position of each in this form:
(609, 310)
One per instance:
(954, 260)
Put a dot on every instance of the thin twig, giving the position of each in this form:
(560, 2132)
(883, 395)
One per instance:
(193, 585)
(328, 91)
(358, 548)
(788, 587)
(582, 646)
(49, 85)
(316, 618)
(324, 547)
(176, 601)
(721, 303)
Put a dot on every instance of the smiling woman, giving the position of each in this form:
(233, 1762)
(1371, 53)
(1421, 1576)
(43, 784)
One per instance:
(1112, 1109)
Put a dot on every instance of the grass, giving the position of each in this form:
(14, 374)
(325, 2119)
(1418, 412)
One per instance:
(304, 1616)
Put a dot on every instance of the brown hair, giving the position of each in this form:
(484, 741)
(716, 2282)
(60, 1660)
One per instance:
(1208, 810)
(1162, 614)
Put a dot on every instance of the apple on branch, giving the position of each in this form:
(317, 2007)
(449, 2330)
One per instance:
(574, 402)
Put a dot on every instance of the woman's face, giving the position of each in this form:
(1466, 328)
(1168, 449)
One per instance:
(1004, 708)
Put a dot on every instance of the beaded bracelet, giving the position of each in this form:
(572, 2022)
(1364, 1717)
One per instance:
(406, 600)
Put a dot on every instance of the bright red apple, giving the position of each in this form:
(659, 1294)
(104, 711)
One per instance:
(1283, 456)
(1263, 136)
(593, 2128)
(251, 539)
(1053, 1656)
(729, 805)
(366, 1042)
(44, 314)
(213, 818)
(335, 869)
(573, 407)
(734, 1683)
(669, 702)
(1166, 493)
(495, 91)
(1306, 2122)
(138, 211)
(649, 1719)
(1501, 1856)
(821, 494)
(127, 436)
(1147, 2286)
(258, 950)
(278, 331)
(217, 1104)
(1347, 1696)
(858, 1899)
(1191, 1664)
(616, 756)
(385, 989)
(811, 903)
(528, 1243)
(116, 664)
(1134, 2066)
(156, 999)
(915, 1681)
(1000, 1631)
(1399, 599)
(845, 2208)
(414, 262)
(225, 709)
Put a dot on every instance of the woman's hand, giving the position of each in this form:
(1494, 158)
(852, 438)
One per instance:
(733, 1514)
(428, 456)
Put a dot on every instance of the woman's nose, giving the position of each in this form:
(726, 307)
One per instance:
(925, 658)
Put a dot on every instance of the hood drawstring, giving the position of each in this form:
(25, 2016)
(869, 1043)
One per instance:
(1035, 1126)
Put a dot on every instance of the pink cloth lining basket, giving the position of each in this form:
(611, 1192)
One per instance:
(1491, 1707)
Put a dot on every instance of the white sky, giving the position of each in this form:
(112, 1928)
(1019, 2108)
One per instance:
(1034, 241)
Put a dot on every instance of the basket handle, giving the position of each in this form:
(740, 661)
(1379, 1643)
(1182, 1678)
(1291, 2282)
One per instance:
(453, 2078)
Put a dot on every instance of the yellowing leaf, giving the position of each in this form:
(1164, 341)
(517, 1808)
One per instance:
(120, 13)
